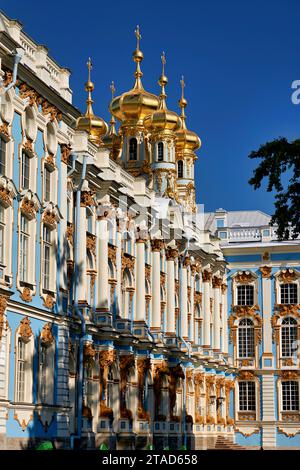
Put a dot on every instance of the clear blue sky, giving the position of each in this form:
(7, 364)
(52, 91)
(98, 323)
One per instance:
(239, 59)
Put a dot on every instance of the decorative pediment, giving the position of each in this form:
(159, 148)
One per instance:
(288, 275)
(8, 191)
(30, 204)
(51, 215)
(244, 277)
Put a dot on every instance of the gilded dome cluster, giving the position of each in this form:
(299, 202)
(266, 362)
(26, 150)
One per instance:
(140, 109)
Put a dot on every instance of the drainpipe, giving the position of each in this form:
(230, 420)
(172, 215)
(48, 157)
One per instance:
(76, 306)
(17, 57)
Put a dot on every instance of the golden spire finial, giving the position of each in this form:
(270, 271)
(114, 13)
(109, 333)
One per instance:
(112, 121)
(163, 82)
(182, 102)
(89, 87)
(138, 57)
(138, 37)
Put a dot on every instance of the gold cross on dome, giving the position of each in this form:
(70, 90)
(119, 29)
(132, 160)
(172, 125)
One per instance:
(182, 83)
(138, 37)
(163, 60)
(113, 89)
(89, 66)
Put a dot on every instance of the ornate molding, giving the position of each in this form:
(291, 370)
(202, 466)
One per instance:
(287, 275)
(65, 150)
(87, 199)
(266, 271)
(3, 305)
(26, 294)
(289, 432)
(91, 243)
(30, 205)
(171, 254)
(7, 191)
(70, 233)
(48, 301)
(246, 375)
(4, 130)
(289, 374)
(47, 337)
(127, 262)
(112, 254)
(126, 362)
(223, 288)
(216, 282)
(22, 422)
(48, 108)
(89, 354)
(25, 330)
(244, 277)
(157, 245)
(206, 276)
(25, 91)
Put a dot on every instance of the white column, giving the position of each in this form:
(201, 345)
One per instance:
(102, 263)
(183, 300)
(140, 309)
(206, 308)
(171, 254)
(266, 310)
(81, 261)
(63, 227)
(119, 271)
(156, 308)
(224, 319)
(216, 318)
(192, 319)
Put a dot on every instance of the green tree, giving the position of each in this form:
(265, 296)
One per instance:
(280, 159)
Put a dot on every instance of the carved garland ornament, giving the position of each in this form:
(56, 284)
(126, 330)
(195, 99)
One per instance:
(47, 337)
(65, 153)
(3, 305)
(26, 294)
(26, 92)
(48, 108)
(206, 276)
(244, 277)
(49, 301)
(266, 271)
(70, 233)
(126, 362)
(106, 359)
(87, 198)
(89, 354)
(25, 330)
(143, 365)
(4, 130)
(287, 275)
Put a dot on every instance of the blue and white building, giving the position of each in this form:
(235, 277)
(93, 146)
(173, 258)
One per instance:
(126, 316)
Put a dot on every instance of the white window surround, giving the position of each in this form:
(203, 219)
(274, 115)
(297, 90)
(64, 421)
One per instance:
(27, 375)
(31, 226)
(46, 377)
(281, 411)
(279, 281)
(239, 412)
(52, 265)
(32, 168)
(253, 281)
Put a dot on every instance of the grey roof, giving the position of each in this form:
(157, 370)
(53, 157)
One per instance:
(237, 219)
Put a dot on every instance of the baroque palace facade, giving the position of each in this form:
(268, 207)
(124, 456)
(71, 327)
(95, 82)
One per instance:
(127, 316)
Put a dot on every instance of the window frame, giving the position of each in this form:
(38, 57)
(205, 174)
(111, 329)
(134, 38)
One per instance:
(249, 342)
(160, 152)
(246, 295)
(250, 405)
(180, 168)
(25, 158)
(47, 245)
(285, 409)
(133, 152)
(3, 155)
(286, 351)
(286, 297)
(24, 240)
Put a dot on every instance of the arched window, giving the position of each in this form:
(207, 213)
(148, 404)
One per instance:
(133, 149)
(288, 336)
(160, 151)
(245, 295)
(290, 395)
(246, 338)
(289, 293)
(180, 169)
(247, 401)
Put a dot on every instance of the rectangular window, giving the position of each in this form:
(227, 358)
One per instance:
(25, 171)
(24, 243)
(289, 293)
(2, 227)
(290, 396)
(43, 374)
(47, 184)
(2, 156)
(247, 396)
(245, 295)
(21, 366)
(46, 257)
(220, 223)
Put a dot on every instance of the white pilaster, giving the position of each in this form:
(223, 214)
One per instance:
(216, 318)
(206, 308)
(140, 310)
(156, 309)
(102, 264)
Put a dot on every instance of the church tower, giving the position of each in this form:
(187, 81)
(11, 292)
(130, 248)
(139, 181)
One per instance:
(162, 126)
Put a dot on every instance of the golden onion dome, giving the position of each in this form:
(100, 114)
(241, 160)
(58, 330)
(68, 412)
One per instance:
(186, 140)
(112, 140)
(132, 106)
(94, 125)
(162, 120)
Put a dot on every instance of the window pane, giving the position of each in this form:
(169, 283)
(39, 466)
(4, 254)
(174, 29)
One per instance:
(290, 396)
(245, 295)
(160, 151)
(133, 149)
(247, 396)
(289, 293)
(25, 171)
(246, 339)
(24, 240)
(288, 337)
(21, 365)
(47, 184)
(2, 156)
